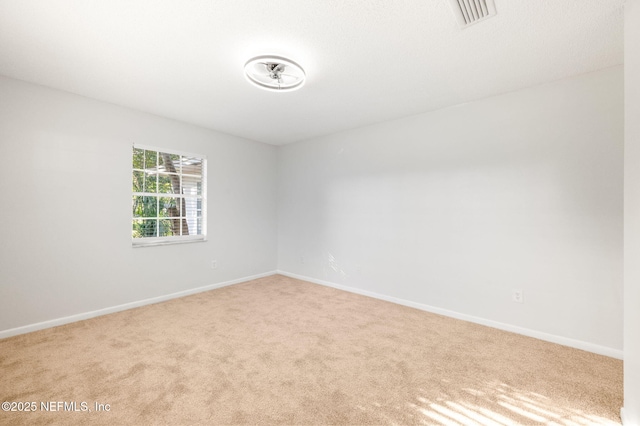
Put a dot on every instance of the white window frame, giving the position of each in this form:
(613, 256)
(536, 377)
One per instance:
(180, 239)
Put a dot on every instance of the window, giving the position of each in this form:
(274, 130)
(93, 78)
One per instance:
(169, 197)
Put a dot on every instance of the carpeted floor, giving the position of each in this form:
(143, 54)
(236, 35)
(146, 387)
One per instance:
(282, 351)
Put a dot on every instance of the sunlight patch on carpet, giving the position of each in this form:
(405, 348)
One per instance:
(502, 405)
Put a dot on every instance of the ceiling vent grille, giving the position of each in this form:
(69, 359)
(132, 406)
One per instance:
(468, 12)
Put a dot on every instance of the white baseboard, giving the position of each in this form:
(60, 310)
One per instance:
(79, 317)
(578, 344)
(622, 416)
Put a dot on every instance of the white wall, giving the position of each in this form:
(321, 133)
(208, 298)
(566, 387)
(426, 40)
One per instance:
(456, 208)
(65, 220)
(632, 214)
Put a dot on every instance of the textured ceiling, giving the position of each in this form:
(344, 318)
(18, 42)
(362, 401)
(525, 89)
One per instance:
(366, 60)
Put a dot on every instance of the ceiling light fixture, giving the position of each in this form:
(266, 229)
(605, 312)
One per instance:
(274, 73)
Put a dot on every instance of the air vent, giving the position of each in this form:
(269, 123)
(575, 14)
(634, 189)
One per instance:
(468, 12)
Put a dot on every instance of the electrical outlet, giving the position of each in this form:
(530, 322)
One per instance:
(517, 296)
(214, 264)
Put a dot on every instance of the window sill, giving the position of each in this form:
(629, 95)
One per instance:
(164, 242)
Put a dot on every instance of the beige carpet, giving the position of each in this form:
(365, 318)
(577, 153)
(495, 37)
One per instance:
(282, 351)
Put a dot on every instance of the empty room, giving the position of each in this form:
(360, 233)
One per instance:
(320, 212)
